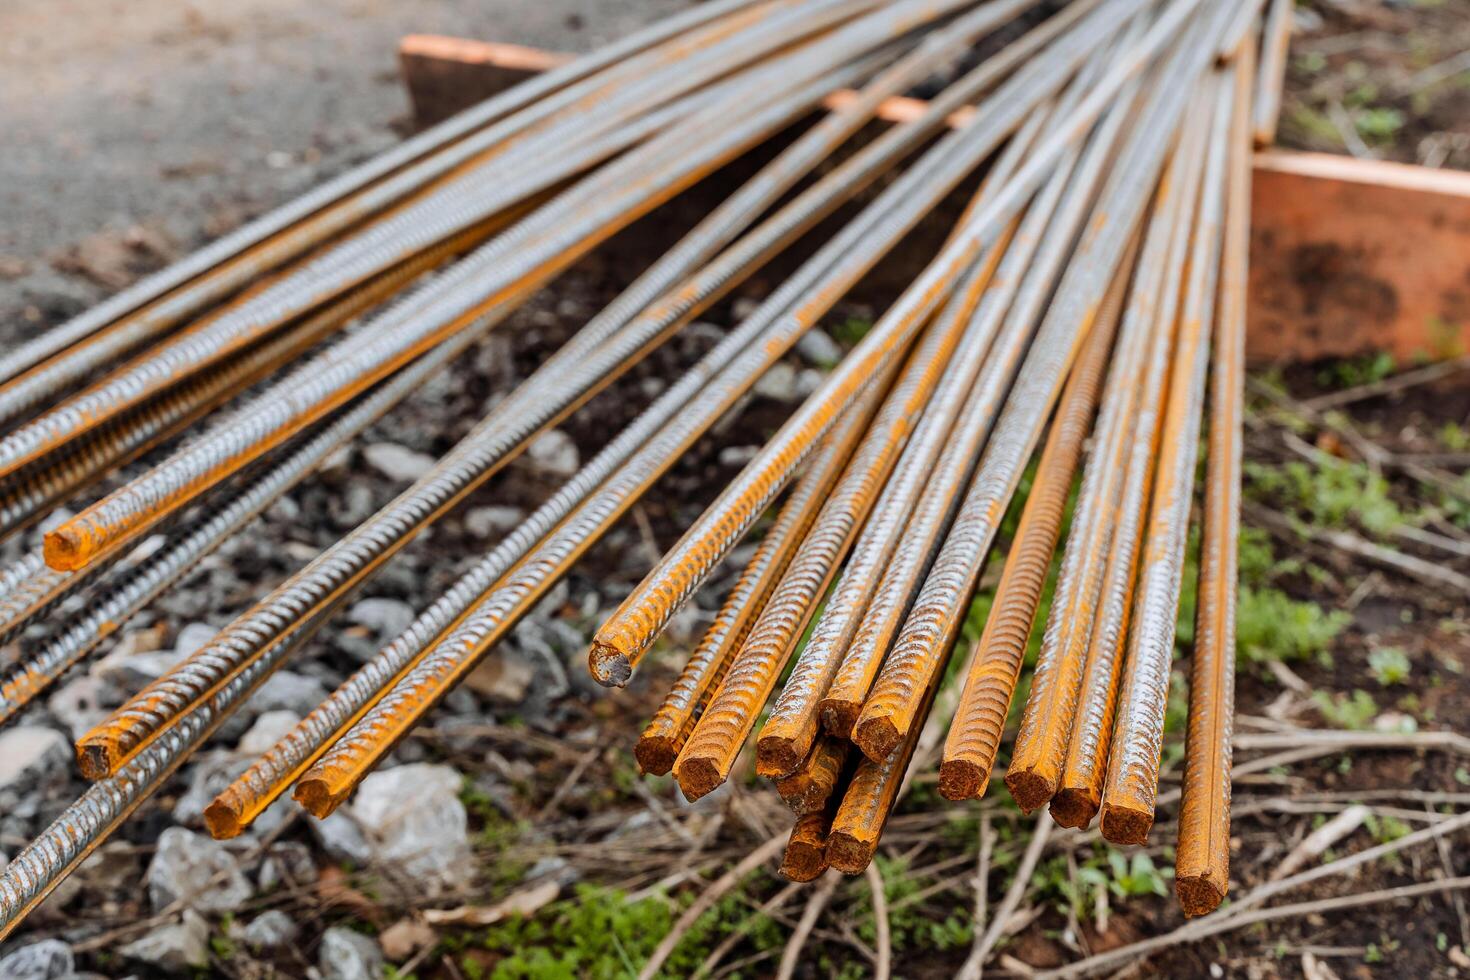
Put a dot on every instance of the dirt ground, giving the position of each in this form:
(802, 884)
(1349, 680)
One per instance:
(182, 120)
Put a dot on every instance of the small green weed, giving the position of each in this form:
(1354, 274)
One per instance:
(1390, 666)
(1340, 711)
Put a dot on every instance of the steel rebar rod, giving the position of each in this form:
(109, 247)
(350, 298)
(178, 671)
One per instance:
(1202, 863)
(666, 733)
(1067, 197)
(1052, 710)
(811, 785)
(424, 144)
(1274, 45)
(933, 623)
(791, 728)
(268, 777)
(106, 615)
(1133, 758)
(538, 161)
(975, 731)
(624, 638)
(852, 249)
(753, 668)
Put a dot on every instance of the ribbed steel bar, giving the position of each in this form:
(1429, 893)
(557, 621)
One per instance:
(805, 858)
(42, 663)
(1133, 759)
(868, 801)
(1274, 45)
(1078, 792)
(975, 731)
(619, 118)
(704, 760)
(1040, 751)
(268, 777)
(887, 711)
(424, 144)
(368, 546)
(44, 863)
(853, 251)
(624, 638)
(1030, 272)
(27, 496)
(791, 728)
(528, 163)
(341, 372)
(1202, 862)
(811, 785)
(662, 740)
(934, 622)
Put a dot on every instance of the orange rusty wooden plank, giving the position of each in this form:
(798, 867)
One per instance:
(1347, 256)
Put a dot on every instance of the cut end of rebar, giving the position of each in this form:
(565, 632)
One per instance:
(799, 793)
(1029, 789)
(1200, 894)
(1124, 823)
(66, 549)
(221, 820)
(316, 797)
(96, 759)
(698, 777)
(804, 861)
(877, 737)
(838, 717)
(609, 666)
(777, 757)
(655, 754)
(961, 779)
(848, 854)
(1073, 807)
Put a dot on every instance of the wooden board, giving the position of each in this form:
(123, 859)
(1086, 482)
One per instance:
(1347, 256)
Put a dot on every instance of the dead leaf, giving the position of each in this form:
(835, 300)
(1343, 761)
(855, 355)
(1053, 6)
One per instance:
(405, 937)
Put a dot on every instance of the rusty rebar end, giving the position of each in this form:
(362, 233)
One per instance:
(1029, 789)
(655, 754)
(961, 779)
(221, 820)
(698, 777)
(65, 549)
(806, 852)
(1200, 894)
(848, 854)
(777, 757)
(838, 717)
(801, 793)
(609, 666)
(1074, 807)
(315, 798)
(1125, 824)
(877, 737)
(96, 759)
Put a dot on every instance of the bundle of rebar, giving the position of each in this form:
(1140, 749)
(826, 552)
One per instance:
(1091, 293)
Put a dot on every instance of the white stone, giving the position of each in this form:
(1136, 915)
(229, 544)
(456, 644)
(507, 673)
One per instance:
(341, 837)
(778, 383)
(288, 691)
(192, 638)
(45, 960)
(25, 752)
(413, 818)
(181, 947)
(385, 617)
(505, 677)
(486, 522)
(270, 930)
(554, 454)
(397, 462)
(348, 955)
(268, 729)
(818, 347)
(185, 866)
